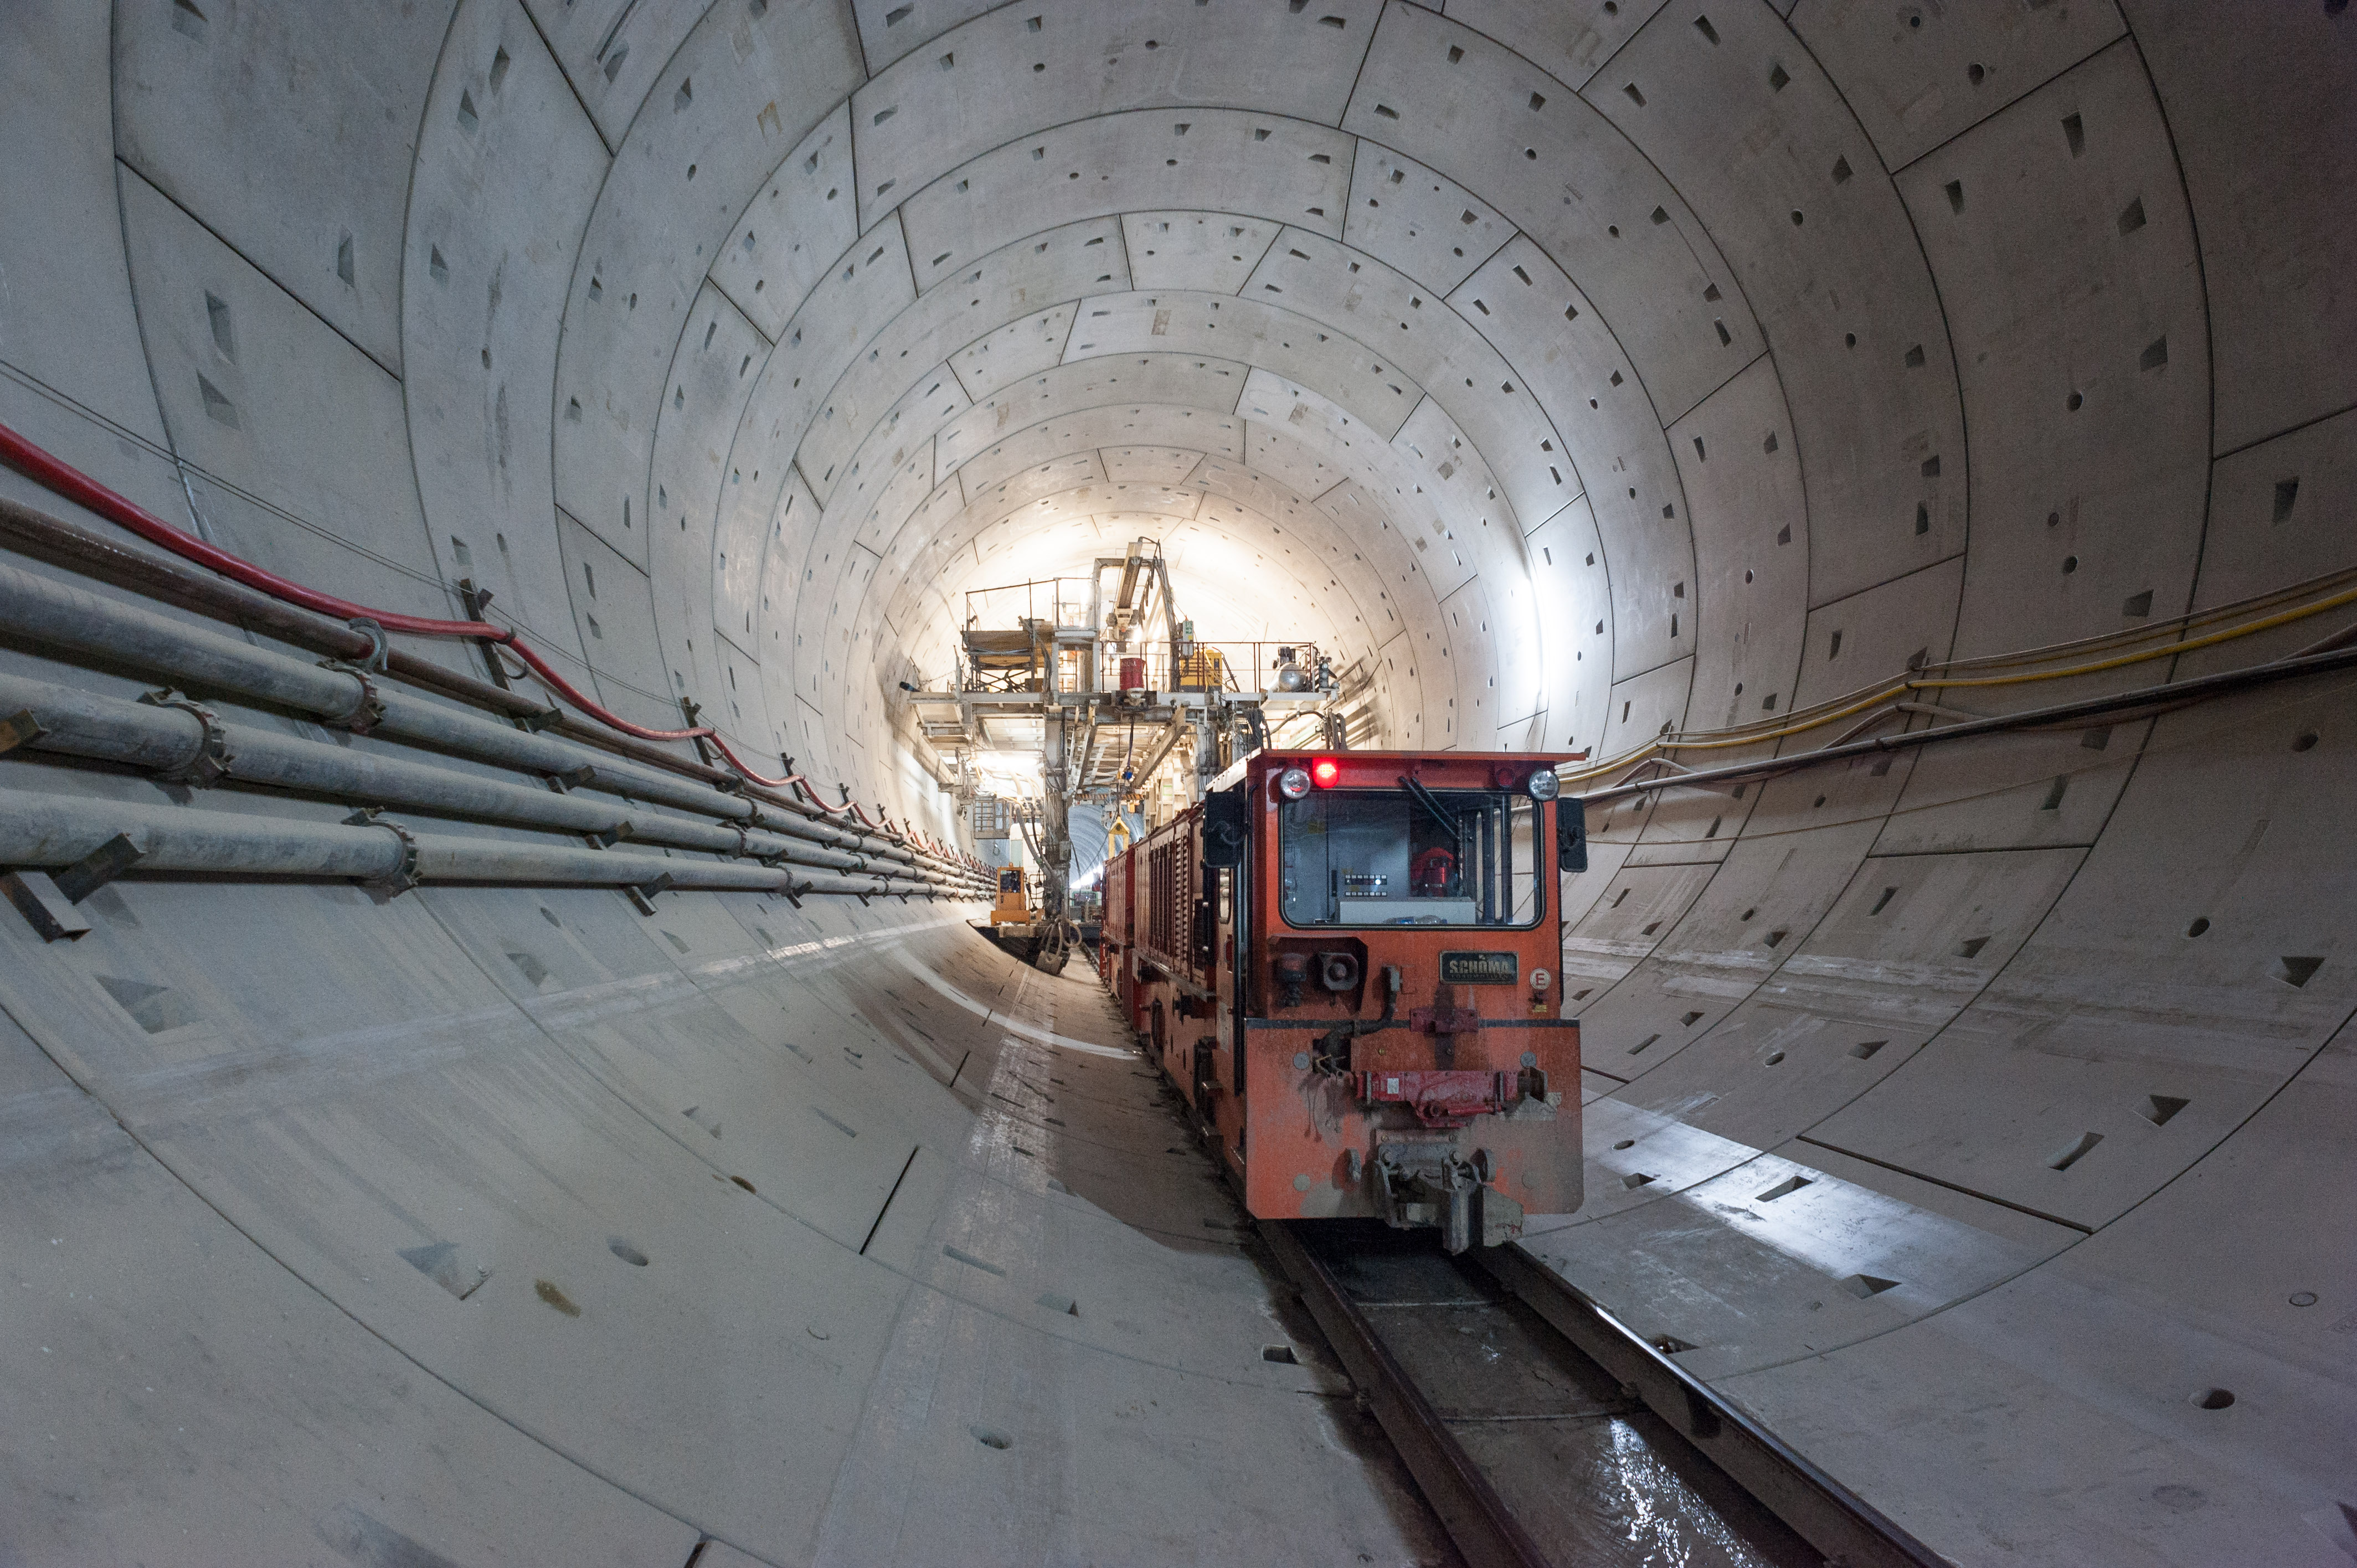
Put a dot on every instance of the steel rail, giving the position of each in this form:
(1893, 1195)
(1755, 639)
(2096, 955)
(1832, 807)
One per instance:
(1834, 1520)
(1476, 1518)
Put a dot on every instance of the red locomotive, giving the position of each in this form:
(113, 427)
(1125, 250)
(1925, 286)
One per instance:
(1348, 964)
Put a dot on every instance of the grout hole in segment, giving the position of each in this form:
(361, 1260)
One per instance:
(2074, 131)
(627, 1252)
(2296, 971)
(2072, 1153)
(1785, 1188)
(224, 334)
(990, 1437)
(1636, 1179)
(2214, 1399)
(2287, 493)
(2158, 1107)
(1866, 1285)
(1281, 1354)
(1864, 1050)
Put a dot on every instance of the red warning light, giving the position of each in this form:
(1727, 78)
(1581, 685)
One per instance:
(1325, 771)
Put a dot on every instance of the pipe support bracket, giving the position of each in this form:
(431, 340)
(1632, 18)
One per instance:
(210, 763)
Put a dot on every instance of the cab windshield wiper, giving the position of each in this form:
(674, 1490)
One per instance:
(1423, 796)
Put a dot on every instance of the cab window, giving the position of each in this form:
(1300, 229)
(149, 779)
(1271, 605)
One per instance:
(1410, 856)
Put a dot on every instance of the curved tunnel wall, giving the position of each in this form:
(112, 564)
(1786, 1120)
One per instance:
(1573, 370)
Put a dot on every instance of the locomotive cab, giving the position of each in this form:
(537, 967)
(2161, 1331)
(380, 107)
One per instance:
(1347, 963)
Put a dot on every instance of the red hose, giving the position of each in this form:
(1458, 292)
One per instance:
(78, 487)
(46, 469)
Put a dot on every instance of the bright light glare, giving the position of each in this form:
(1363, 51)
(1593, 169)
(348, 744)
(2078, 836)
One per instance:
(1327, 770)
(1008, 772)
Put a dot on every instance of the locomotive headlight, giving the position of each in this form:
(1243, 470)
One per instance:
(1544, 785)
(1325, 771)
(1293, 783)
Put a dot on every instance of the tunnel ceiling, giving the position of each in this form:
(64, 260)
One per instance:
(1566, 371)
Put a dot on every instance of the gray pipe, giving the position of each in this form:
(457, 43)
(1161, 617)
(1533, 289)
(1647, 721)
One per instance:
(59, 616)
(106, 556)
(173, 741)
(55, 830)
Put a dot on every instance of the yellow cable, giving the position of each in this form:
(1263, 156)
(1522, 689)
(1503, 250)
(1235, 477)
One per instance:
(1819, 718)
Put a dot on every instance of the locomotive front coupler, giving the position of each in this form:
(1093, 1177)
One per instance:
(1421, 1180)
(1332, 1056)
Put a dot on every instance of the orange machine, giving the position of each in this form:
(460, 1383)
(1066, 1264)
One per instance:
(1348, 964)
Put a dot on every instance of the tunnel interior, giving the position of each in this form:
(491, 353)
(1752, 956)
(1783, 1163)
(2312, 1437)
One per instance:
(1975, 1114)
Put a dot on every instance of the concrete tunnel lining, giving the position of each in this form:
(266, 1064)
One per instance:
(1758, 351)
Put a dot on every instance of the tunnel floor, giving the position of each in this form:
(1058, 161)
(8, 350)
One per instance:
(1597, 1477)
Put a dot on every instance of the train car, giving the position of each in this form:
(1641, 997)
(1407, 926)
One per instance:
(1348, 964)
(1113, 944)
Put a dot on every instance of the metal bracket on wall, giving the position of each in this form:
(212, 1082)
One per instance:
(693, 712)
(367, 711)
(478, 601)
(20, 728)
(381, 647)
(642, 897)
(45, 908)
(403, 874)
(211, 763)
(99, 867)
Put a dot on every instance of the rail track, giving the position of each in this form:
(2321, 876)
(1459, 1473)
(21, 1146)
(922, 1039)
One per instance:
(1545, 1433)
